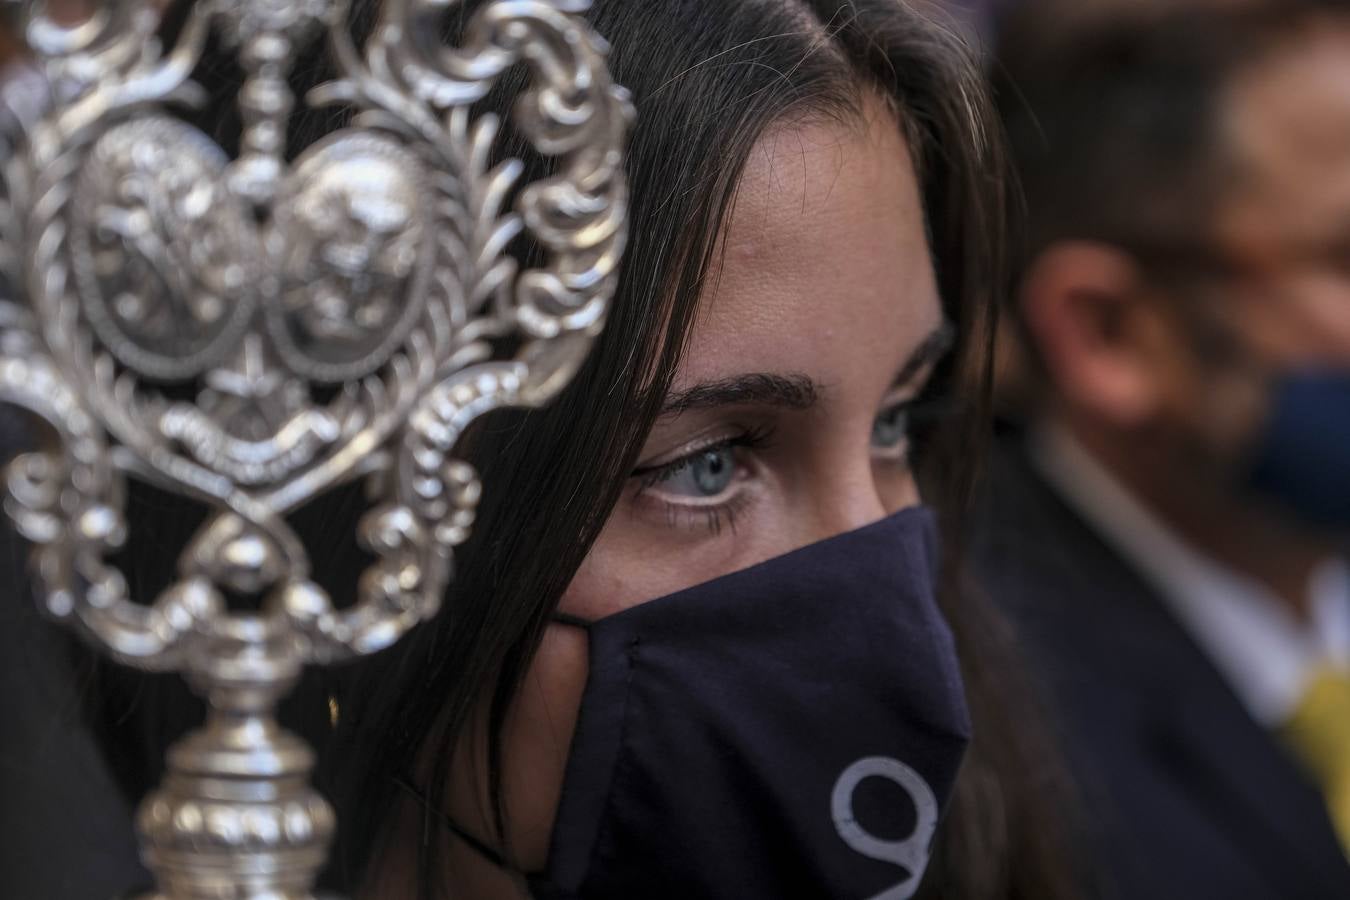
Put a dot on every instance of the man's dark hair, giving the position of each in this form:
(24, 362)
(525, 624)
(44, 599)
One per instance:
(1114, 118)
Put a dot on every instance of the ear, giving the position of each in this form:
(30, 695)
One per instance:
(1089, 316)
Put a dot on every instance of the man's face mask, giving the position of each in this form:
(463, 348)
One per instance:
(793, 729)
(1300, 458)
(1297, 455)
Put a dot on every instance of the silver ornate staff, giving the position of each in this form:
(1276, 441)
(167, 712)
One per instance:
(251, 333)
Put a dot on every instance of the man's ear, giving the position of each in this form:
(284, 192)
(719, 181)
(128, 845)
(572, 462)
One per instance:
(1090, 320)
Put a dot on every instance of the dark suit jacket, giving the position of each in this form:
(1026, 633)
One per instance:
(1188, 796)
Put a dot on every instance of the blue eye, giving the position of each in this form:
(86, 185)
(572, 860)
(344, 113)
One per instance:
(891, 428)
(706, 473)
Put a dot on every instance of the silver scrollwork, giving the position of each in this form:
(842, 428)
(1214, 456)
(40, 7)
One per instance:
(253, 332)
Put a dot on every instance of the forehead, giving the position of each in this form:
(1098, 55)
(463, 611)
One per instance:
(825, 260)
(1288, 121)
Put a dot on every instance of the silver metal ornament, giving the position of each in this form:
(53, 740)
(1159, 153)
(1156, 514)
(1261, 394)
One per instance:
(253, 332)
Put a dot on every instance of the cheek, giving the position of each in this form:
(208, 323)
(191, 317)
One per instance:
(635, 559)
(896, 487)
(1323, 311)
(1306, 320)
(536, 737)
(1206, 413)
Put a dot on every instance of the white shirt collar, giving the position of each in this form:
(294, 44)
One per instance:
(1255, 641)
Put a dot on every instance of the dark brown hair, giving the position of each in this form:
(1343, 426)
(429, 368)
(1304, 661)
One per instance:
(709, 78)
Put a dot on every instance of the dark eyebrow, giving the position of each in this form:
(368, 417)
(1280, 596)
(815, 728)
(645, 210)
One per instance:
(792, 391)
(931, 349)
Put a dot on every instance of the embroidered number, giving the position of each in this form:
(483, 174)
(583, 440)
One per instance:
(912, 852)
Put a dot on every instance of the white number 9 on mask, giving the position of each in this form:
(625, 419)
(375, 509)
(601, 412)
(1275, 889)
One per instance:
(910, 853)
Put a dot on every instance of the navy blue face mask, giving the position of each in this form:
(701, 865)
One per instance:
(789, 730)
(1302, 456)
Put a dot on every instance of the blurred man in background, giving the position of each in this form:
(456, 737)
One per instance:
(1168, 525)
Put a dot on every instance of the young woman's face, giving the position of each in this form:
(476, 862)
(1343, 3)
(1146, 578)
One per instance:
(785, 424)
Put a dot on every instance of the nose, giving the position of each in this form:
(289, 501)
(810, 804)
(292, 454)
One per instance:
(843, 499)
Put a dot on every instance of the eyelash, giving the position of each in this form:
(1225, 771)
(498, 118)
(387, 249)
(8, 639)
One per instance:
(753, 439)
(715, 516)
(920, 411)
